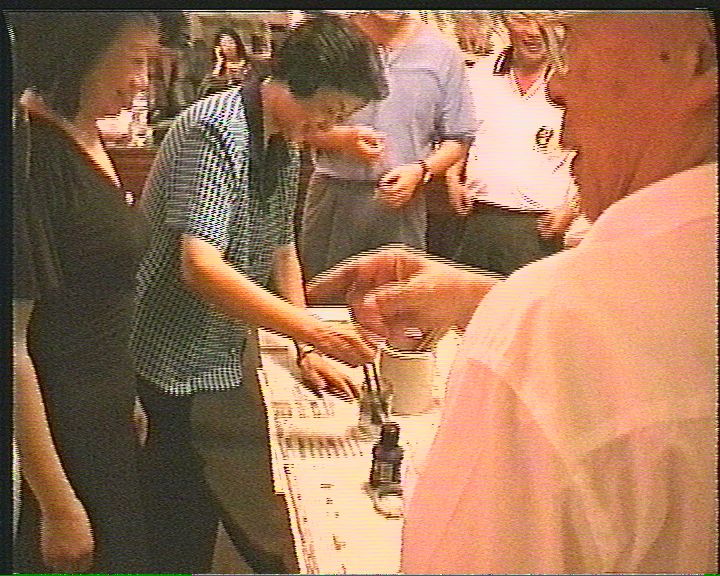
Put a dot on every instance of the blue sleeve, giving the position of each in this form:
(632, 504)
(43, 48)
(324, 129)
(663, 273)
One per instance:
(457, 119)
(203, 192)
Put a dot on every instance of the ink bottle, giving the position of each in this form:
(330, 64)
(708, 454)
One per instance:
(387, 459)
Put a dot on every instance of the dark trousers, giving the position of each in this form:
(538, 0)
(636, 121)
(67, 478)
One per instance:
(502, 240)
(342, 218)
(207, 459)
(182, 516)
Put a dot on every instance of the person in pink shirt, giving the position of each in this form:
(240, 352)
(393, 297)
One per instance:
(579, 432)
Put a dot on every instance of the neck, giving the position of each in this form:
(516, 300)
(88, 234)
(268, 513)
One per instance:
(667, 156)
(638, 164)
(82, 128)
(389, 35)
(528, 67)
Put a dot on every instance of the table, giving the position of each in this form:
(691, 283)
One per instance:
(321, 463)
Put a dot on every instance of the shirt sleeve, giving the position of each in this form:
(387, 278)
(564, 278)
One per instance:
(36, 263)
(457, 119)
(202, 196)
(286, 196)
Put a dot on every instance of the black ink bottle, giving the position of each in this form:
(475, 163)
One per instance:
(387, 458)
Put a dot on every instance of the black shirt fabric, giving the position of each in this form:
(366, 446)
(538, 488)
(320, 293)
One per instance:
(77, 246)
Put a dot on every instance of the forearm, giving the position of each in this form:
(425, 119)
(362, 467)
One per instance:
(448, 154)
(455, 172)
(337, 139)
(287, 275)
(39, 460)
(236, 295)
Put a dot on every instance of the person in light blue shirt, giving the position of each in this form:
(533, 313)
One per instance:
(366, 189)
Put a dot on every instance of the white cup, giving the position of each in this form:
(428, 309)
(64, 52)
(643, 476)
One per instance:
(408, 376)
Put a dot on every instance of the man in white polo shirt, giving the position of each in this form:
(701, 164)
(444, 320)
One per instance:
(515, 170)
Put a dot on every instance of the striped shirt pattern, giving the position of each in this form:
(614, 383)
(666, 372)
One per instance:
(200, 184)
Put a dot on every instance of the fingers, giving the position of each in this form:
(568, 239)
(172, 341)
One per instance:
(467, 203)
(370, 144)
(419, 302)
(362, 273)
(370, 151)
(461, 198)
(358, 279)
(311, 379)
(320, 376)
(388, 179)
(397, 186)
(462, 205)
(345, 345)
(543, 226)
(334, 282)
(551, 225)
(342, 387)
(389, 309)
(367, 313)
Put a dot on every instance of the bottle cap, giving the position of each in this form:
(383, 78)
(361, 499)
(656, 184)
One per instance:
(389, 434)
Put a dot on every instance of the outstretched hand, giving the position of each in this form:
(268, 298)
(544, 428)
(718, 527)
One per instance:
(396, 288)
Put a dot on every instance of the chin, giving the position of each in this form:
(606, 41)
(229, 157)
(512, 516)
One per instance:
(576, 168)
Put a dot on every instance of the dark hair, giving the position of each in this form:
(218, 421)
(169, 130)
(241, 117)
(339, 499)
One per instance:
(326, 51)
(174, 28)
(227, 31)
(54, 51)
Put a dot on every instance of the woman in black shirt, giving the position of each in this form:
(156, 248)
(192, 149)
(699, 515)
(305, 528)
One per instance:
(78, 242)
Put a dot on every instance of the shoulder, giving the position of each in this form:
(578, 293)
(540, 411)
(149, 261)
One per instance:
(510, 308)
(428, 35)
(220, 117)
(436, 47)
(47, 139)
(215, 110)
(46, 151)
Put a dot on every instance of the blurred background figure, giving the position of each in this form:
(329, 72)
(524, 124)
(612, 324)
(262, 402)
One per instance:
(230, 64)
(78, 241)
(471, 29)
(516, 171)
(174, 75)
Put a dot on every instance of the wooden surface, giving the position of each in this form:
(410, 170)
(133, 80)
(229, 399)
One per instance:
(133, 165)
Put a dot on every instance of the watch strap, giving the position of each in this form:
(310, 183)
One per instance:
(426, 175)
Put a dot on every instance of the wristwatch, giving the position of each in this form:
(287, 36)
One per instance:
(426, 175)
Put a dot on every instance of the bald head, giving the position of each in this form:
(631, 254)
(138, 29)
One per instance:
(640, 92)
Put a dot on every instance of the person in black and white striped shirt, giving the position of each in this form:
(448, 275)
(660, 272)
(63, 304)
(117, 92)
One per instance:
(220, 199)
